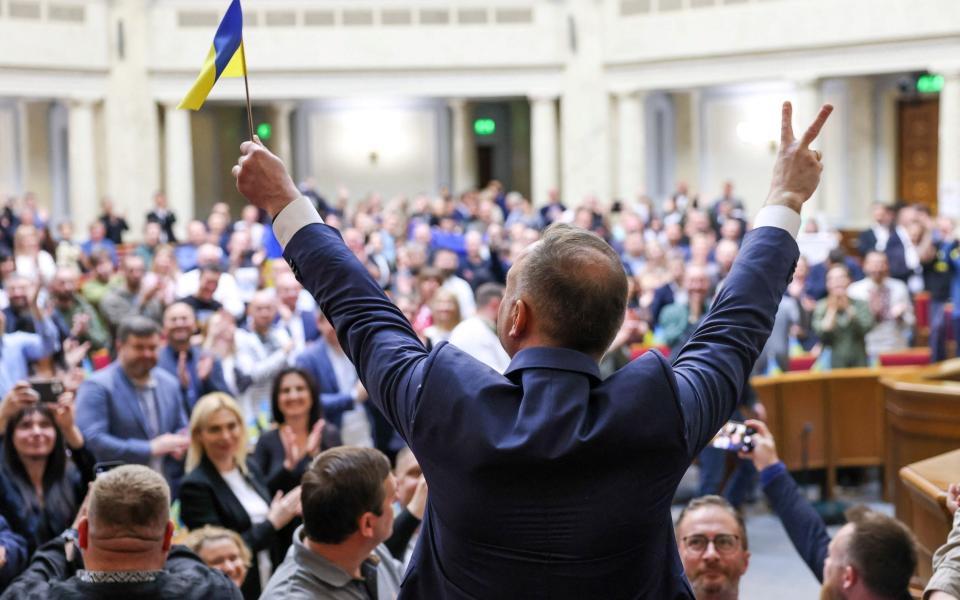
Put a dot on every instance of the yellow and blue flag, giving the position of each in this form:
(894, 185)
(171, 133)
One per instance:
(225, 58)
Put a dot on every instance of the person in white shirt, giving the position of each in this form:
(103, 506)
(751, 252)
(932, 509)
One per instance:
(261, 353)
(448, 262)
(890, 303)
(228, 292)
(477, 336)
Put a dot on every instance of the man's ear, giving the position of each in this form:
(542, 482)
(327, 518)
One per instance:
(366, 523)
(168, 536)
(83, 533)
(519, 318)
(850, 577)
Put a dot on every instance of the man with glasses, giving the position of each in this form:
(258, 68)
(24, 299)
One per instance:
(713, 547)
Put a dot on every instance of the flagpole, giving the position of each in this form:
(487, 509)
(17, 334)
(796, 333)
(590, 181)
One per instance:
(246, 86)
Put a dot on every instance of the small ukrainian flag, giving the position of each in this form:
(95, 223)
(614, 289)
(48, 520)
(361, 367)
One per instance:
(225, 59)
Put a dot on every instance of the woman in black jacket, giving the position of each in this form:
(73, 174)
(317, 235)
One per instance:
(224, 488)
(284, 453)
(43, 486)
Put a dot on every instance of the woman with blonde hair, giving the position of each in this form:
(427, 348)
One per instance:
(446, 315)
(221, 549)
(32, 261)
(224, 488)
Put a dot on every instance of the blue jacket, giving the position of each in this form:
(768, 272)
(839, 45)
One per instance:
(16, 548)
(168, 361)
(113, 424)
(315, 361)
(803, 524)
(547, 482)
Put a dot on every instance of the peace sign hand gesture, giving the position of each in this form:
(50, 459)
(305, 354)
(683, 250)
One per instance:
(796, 173)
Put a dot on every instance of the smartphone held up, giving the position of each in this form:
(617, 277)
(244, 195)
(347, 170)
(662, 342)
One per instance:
(734, 437)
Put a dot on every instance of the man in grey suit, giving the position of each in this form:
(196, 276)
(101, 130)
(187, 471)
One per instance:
(133, 411)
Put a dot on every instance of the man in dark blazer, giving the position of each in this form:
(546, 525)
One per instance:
(546, 481)
(133, 411)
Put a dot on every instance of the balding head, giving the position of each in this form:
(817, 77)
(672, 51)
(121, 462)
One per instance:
(568, 290)
(209, 254)
(263, 310)
(288, 289)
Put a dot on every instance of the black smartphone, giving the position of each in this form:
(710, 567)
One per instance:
(103, 467)
(734, 437)
(48, 389)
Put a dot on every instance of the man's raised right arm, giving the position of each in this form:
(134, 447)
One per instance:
(372, 331)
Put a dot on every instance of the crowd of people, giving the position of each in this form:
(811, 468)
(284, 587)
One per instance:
(198, 372)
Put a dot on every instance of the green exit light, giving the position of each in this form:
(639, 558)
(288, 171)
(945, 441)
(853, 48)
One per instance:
(264, 130)
(484, 126)
(929, 84)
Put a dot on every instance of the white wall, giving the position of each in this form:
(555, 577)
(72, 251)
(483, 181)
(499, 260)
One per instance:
(404, 139)
(740, 129)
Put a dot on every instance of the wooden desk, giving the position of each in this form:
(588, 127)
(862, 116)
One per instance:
(923, 420)
(926, 483)
(842, 412)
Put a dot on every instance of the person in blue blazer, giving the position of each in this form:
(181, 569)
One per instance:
(133, 411)
(547, 481)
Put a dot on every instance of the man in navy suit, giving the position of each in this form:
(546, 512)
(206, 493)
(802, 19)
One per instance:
(133, 411)
(546, 481)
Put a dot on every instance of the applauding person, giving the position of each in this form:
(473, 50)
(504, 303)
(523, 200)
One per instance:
(224, 488)
(284, 454)
(842, 322)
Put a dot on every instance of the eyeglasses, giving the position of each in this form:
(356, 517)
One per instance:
(723, 543)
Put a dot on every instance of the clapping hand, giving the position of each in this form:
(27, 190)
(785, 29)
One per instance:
(284, 508)
(796, 173)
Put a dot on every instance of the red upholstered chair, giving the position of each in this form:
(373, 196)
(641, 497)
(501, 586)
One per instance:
(801, 363)
(921, 308)
(905, 357)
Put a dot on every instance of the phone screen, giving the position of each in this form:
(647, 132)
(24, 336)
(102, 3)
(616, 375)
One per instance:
(734, 437)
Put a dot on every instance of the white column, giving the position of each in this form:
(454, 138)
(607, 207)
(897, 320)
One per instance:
(81, 160)
(178, 161)
(464, 151)
(632, 156)
(544, 157)
(282, 142)
(949, 151)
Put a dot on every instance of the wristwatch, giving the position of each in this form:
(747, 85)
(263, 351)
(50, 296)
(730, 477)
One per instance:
(70, 535)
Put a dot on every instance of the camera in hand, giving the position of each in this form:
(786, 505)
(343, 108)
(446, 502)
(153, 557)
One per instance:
(48, 389)
(734, 437)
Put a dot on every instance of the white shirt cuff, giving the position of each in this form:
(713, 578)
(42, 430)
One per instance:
(778, 216)
(294, 217)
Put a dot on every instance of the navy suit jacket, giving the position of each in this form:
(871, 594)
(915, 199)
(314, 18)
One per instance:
(546, 481)
(805, 527)
(315, 361)
(113, 423)
(168, 359)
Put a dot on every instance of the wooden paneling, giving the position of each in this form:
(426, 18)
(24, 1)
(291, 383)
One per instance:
(922, 421)
(856, 421)
(802, 408)
(926, 482)
(917, 151)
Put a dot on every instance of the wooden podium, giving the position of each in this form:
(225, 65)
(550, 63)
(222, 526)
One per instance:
(926, 482)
